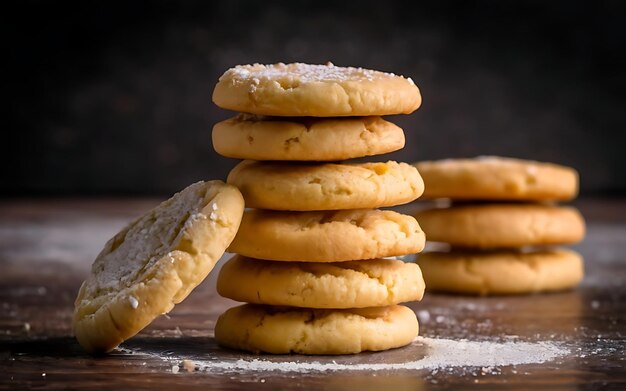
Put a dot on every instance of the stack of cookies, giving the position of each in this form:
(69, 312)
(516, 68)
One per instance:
(501, 226)
(311, 252)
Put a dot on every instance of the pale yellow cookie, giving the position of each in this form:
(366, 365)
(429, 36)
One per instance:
(502, 225)
(154, 263)
(498, 178)
(314, 90)
(305, 138)
(356, 284)
(333, 236)
(502, 272)
(305, 187)
(283, 330)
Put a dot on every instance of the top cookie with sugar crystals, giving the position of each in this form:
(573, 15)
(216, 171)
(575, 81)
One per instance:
(315, 90)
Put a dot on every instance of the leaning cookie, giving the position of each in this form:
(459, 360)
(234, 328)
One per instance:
(283, 330)
(331, 236)
(315, 91)
(501, 272)
(498, 178)
(305, 138)
(503, 225)
(357, 284)
(307, 187)
(154, 263)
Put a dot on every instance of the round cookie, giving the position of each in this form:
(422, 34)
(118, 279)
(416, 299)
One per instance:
(331, 236)
(306, 187)
(154, 263)
(356, 284)
(502, 225)
(305, 139)
(502, 272)
(283, 330)
(314, 90)
(498, 178)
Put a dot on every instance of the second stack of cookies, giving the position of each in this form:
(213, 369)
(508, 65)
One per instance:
(503, 226)
(310, 251)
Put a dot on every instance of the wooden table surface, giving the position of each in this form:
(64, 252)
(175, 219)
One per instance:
(47, 246)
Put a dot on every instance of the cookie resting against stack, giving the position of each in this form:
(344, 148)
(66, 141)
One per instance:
(310, 253)
(154, 263)
(502, 226)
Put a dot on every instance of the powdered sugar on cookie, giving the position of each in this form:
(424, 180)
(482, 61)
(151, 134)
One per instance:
(304, 73)
(313, 90)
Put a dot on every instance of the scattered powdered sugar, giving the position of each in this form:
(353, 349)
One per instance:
(303, 73)
(255, 82)
(201, 216)
(193, 218)
(441, 353)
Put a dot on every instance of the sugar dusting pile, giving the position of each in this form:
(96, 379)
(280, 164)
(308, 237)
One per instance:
(441, 354)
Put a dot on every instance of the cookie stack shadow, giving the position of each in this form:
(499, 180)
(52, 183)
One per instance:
(502, 225)
(313, 249)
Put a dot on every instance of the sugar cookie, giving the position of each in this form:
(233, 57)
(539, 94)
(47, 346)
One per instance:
(498, 178)
(314, 90)
(305, 187)
(305, 138)
(501, 272)
(356, 284)
(503, 225)
(277, 330)
(327, 236)
(154, 263)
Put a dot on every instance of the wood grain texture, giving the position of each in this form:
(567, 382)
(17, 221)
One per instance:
(47, 246)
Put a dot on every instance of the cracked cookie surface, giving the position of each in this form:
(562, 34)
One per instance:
(305, 139)
(329, 236)
(154, 263)
(358, 284)
(314, 90)
(501, 272)
(283, 330)
(307, 187)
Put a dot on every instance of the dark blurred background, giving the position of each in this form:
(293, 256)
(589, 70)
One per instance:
(114, 97)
